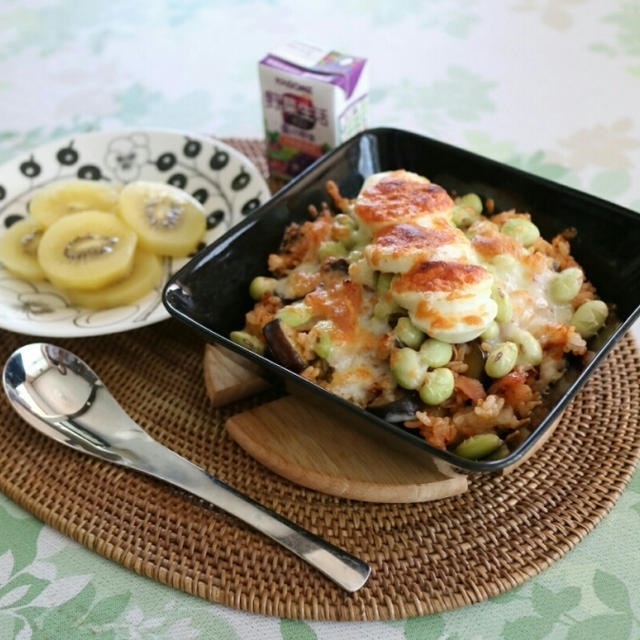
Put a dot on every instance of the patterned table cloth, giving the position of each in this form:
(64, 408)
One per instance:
(550, 86)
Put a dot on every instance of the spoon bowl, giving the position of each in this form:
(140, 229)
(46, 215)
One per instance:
(58, 394)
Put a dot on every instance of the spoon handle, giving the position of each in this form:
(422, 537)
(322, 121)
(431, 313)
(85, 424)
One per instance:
(156, 460)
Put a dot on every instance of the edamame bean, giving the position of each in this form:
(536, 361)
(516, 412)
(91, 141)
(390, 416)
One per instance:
(247, 341)
(435, 353)
(295, 315)
(344, 221)
(501, 359)
(384, 282)
(491, 332)
(471, 200)
(342, 228)
(408, 333)
(501, 452)
(502, 299)
(331, 248)
(384, 308)
(590, 317)
(529, 349)
(437, 386)
(523, 230)
(406, 368)
(261, 285)
(504, 263)
(361, 272)
(359, 237)
(478, 446)
(324, 344)
(463, 217)
(566, 285)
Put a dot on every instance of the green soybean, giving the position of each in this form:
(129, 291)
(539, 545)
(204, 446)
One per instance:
(343, 227)
(502, 299)
(501, 359)
(463, 217)
(523, 230)
(384, 282)
(295, 315)
(331, 248)
(361, 272)
(344, 221)
(491, 332)
(529, 349)
(501, 452)
(566, 285)
(435, 353)
(359, 237)
(261, 285)
(505, 263)
(471, 200)
(478, 446)
(324, 344)
(384, 308)
(437, 387)
(408, 333)
(590, 317)
(406, 368)
(247, 341)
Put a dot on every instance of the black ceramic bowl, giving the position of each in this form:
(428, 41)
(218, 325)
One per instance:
(210, 293)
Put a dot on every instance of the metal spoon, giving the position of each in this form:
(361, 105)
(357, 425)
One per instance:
(59, 395)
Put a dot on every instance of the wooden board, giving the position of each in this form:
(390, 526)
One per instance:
(304, 444)
(300, 442)
(327, 456)
(229, 377)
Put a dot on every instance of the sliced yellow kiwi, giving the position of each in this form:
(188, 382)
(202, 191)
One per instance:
(168, 221)
(87, 250)
(145, 274)
(19, 249)
(72, 196)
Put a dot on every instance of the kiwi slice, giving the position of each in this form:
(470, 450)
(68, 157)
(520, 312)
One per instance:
(87, 250)
(72, 196)
(19, 249)
(145, 274)
(168, 221)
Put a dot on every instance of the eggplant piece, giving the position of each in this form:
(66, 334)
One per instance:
(474, 359)
(399, 410)
(282, 347)
(334, 263)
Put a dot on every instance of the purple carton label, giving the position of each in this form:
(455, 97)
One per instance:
(336, 68)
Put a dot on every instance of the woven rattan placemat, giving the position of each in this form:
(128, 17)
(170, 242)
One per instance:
(426, 557)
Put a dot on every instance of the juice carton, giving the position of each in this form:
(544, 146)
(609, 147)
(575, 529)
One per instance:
(312, 100)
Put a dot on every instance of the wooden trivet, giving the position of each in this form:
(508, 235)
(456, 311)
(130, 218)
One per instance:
(306, 445)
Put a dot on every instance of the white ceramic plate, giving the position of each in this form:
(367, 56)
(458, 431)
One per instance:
(224, 180)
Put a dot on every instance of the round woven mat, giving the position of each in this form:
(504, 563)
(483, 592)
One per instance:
(425, 557)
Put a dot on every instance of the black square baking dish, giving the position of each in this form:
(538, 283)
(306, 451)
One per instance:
(210, 293)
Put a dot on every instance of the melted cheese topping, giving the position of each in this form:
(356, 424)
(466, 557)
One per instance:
(397, 248)
(359, 366)
(442, 276)
(447, 294)
(449, 301)
(401, 196)
(526, 280)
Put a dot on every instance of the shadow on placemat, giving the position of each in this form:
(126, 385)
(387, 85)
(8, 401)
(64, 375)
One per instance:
(425, 557)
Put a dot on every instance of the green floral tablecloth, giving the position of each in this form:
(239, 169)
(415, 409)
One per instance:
(551, 86)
